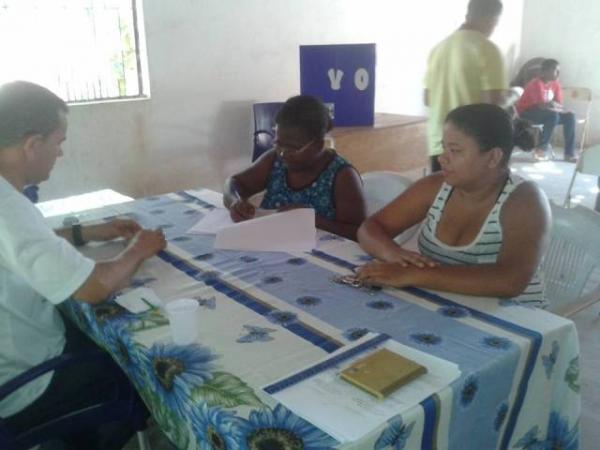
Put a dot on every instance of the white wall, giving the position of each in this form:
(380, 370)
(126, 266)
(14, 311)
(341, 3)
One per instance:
(568, 31)
(209, 60)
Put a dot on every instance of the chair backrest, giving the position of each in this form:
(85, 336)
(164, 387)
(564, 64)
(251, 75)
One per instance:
(264, 124)
(573, 254)
(578, 100)
(380, 188)
(590, 161)
(528, 72)
(31, 192)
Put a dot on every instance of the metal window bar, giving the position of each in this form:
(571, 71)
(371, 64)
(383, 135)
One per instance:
(84, 50)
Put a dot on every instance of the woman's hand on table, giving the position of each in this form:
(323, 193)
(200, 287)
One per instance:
(241, 210)
(398, 270)
(405, 258)
(380, 273)
(118, 228)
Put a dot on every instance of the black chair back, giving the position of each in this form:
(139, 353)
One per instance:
(264, 125)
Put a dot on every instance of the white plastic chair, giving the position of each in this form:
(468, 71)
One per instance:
(589, 163)
(579, 100)
(571, 266)
(380, 188)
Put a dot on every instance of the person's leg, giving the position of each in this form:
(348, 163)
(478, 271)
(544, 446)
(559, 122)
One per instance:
(548, 119)
(567, 120)
(72, 389)
(435, 164)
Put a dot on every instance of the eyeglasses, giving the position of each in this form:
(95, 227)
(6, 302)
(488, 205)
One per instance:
(280, 149)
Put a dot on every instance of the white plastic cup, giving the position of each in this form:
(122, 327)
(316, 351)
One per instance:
(183, 319)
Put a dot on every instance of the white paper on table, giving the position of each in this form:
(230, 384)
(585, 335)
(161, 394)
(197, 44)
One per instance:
(346, 412)
(212, 221)
(139, 300)
(212, 197)
(290, 231)
(220, 218)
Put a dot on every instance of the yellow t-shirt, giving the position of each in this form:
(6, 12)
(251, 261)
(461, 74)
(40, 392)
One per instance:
(458, 70)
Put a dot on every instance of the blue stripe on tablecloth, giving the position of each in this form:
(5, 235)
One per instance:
(325, 365)
(534, 337)
(430, 422)
(334, 259)
(184, 195)
(298, 328)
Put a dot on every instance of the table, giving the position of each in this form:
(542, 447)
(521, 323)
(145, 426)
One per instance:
(394, 142)
(265, 315)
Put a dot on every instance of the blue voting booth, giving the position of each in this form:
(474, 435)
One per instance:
(342, 76)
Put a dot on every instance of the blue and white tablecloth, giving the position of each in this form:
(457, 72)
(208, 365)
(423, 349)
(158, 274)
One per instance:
(265, 315)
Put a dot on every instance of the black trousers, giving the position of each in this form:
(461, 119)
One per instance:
(72, 389)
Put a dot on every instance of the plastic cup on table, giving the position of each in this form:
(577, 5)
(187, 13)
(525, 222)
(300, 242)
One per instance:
(183, 320)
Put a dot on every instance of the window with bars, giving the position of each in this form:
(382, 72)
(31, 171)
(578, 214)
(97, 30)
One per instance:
(83, 50)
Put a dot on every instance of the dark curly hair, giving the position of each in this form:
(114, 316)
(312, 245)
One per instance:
(491, 127)
(307, 113)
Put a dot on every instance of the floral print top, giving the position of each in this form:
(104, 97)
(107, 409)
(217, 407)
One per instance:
(319, 195)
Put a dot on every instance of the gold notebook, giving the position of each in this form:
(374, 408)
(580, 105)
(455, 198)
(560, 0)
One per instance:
(382, 372)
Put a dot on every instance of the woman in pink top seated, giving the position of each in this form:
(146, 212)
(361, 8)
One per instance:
(541, 103)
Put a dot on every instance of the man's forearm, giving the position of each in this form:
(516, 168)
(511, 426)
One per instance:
(109, 276)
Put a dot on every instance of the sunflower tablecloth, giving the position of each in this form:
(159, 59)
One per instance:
(265, 315)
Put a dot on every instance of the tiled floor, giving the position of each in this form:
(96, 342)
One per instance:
(554, 178)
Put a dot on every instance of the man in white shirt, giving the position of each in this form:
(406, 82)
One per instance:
(39, 267)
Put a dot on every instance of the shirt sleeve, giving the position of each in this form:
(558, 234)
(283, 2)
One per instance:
(493, 74)
(558, 93)
(31, 250)
(427, 77)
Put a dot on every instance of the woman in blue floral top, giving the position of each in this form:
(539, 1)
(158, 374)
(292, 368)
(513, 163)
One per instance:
(300, 172)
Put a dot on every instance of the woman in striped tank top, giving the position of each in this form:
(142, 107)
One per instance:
(484, 230)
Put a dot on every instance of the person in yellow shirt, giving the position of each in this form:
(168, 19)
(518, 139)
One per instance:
(465, 68)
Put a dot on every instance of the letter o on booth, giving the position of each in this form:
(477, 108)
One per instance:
(361, 79)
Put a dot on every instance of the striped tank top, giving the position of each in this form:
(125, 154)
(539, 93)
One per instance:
(485, 247)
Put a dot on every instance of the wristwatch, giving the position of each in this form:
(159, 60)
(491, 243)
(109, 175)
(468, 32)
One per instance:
(77, 236)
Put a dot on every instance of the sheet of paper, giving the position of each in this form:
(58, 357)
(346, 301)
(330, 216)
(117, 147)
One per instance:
(212, 222)
(348, 413)
(212, 197)
(219, 218)
(139, 300)
(290, 231)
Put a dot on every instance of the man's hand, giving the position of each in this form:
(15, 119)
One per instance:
(147, 243)
(112, 275)
(241, 210)
(118, 228)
